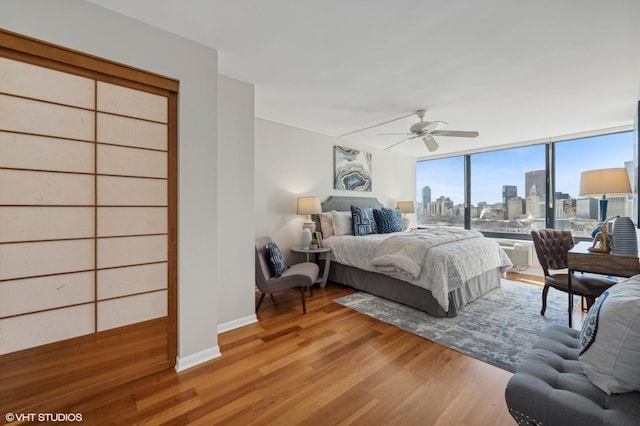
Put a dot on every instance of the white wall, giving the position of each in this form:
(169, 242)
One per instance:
(291, 162)
(88, 28)
(236, 279)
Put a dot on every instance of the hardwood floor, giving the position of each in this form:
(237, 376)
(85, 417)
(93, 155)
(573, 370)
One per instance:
(330, 366)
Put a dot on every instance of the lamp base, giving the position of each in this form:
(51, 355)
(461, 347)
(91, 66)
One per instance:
(305, 242)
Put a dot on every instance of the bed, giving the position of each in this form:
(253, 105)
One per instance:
(458, 266)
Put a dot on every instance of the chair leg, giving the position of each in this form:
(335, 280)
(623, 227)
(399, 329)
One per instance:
(260, 301)
(304, 305)
(545, 291)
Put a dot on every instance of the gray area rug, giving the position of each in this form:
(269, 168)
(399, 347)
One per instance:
(499, 328)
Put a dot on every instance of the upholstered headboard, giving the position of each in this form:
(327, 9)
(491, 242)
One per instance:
(344, 203)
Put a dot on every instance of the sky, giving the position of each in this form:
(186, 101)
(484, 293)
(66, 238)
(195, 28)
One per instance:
(489, 171)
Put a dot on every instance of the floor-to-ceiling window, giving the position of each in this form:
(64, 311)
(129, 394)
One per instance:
(579, 213)
(440, 192)
(508, 190)
(511, 191)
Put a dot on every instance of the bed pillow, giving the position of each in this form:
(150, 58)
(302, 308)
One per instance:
(326, 225)
(363, 221)
(388, 220)
(275, 260)
(342, 223)
(610, 339)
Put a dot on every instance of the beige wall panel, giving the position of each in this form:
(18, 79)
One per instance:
(121, 221)
(117, 160)
(37, 329)
(45, 223)
(125, 251)
(45, 188)
(37, 294)
(41, 118)
(130, 310)
(131, 280)
(121, 191)
(32, 81)
(133, 103)
(44, 258)
(41, 153)
(131, 132)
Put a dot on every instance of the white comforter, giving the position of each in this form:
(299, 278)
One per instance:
(439, 260)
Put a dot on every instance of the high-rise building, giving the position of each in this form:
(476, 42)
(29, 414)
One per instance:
(426, 198)
(514, 208)
(508, 192)
(539, 179)
(587, 208)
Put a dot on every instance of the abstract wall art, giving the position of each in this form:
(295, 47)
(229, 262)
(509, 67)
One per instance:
(352, 169)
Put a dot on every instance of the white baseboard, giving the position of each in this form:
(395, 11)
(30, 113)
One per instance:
(240, 322)
(183, 363)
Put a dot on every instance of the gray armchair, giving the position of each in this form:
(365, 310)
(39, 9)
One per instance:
(301, 275)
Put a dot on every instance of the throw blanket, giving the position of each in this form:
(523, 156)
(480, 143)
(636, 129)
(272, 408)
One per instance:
(404, 255)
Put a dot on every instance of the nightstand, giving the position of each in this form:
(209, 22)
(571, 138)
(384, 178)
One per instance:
(327, 261)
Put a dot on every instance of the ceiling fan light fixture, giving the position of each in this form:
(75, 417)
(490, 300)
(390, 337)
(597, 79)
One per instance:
(430, 143)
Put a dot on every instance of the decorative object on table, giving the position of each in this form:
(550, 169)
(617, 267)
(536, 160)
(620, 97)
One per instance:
(604, 181)
(318, 236)
(602, 240)
(406, 207)
(308, 206)
(352, 169)
(623, 233)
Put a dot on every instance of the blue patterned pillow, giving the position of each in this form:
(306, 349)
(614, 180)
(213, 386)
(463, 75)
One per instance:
(590, 325)
(388, 220)
(363, 221)
(275, 260)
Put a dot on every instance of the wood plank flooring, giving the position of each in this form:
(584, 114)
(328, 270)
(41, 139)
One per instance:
(332, 366)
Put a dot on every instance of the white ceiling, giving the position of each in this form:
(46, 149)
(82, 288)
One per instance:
(513, 70)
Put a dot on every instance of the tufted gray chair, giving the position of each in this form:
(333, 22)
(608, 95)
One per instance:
(551, 247)
(301, 275)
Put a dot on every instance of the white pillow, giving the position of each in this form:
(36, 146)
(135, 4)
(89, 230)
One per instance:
(610, 339)
(326, 225)
(342, 223)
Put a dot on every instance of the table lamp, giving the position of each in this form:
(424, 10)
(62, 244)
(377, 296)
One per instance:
(605, 181)
(308, 206)
(406, 207)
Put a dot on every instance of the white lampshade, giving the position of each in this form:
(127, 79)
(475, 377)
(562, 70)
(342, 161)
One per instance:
(605, 181)
(406, 206)
(309, 205)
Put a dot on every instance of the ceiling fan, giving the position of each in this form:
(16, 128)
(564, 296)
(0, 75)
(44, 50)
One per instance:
(427, 130)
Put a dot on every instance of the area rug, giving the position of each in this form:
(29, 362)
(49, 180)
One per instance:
(499, 328)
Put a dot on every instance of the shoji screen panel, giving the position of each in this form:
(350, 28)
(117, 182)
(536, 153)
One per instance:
(87, 223)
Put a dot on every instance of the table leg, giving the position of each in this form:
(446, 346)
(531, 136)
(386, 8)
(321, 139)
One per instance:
(325, 272)
(570, 297)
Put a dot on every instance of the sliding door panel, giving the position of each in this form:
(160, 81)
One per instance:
(118, 282)
(88, 224)
(44, 293)
(117, 130)
(28, 331)
(42, 153)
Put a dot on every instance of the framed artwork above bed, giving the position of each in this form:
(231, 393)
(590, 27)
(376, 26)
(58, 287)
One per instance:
(352, 169)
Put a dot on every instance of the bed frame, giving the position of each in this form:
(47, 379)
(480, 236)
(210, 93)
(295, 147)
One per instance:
(395, 289)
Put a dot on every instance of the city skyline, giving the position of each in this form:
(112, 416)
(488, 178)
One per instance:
(491, 170)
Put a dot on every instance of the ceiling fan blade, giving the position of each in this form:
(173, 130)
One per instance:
(399, 142)
(457, 133)
(430, 143)
(376, 125)
(394, 134)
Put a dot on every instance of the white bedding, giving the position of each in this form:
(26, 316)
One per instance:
(439, 260)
